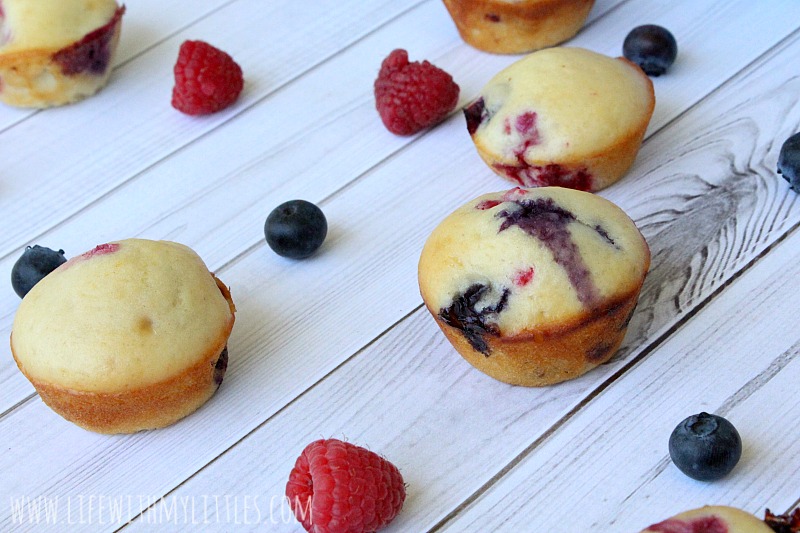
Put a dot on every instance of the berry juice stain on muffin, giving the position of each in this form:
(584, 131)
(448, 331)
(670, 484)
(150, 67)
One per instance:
(714, 519)
(100, 249)
(523, 277)
(529, 175)
(542, 219)
(525, 124)
(92, 54)
(707, 524)
(464, 315)
(5, 32)
(488, 204)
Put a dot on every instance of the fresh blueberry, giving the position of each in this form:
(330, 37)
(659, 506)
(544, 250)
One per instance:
(35, 263)
(705, 447)
(651, 47)
(295, 229)
(789, 162)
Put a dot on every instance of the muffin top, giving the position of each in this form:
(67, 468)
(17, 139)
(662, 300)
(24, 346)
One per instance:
(50, 24)
(529, 260)
(560, 104)
(123, 315)
(712, 518)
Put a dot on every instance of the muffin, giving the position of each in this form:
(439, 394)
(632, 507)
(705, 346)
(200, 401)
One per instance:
(562, 116)
(534, 286)
(517, 26)
(131, 335)
(712, 518)
(54, 52)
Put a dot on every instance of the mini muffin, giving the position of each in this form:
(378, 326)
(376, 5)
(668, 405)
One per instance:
(562, 116)
(712, 518)
(517, 26)
(54, 52)
(131, 335)
(534, 286)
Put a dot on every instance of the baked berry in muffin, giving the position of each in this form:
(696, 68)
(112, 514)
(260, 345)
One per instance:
(131, 335)
(54, 52)
(711, 519)
(534, 286)
(517, 26)
(562, 116)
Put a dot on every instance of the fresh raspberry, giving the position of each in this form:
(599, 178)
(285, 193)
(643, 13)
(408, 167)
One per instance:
(206, 79)
(413, 96)
(337, 487)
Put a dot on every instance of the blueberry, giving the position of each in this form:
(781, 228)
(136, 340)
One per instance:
(295, 229)
(35, 263)
(789, 162)
(462, 314)
(705, 447)
(651, 47)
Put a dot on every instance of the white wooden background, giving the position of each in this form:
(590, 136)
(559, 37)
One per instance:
(340, 346)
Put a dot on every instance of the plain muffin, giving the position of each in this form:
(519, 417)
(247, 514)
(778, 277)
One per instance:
(131, 335)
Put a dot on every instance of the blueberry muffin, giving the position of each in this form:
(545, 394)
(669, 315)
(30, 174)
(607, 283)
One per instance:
(517, 26)
(54, 52)
(712, 519)
(534, 286)
(563, 116)
(131, 335)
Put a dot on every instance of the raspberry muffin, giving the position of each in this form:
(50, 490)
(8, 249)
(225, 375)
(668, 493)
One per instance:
(517, 26)
(54, 52)
(534, 286)
(712, 519)
(562, 116)
(131, 335)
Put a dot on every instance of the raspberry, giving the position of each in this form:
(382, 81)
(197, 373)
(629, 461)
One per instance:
(206, 79)
(413, 96)
(337, 487)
